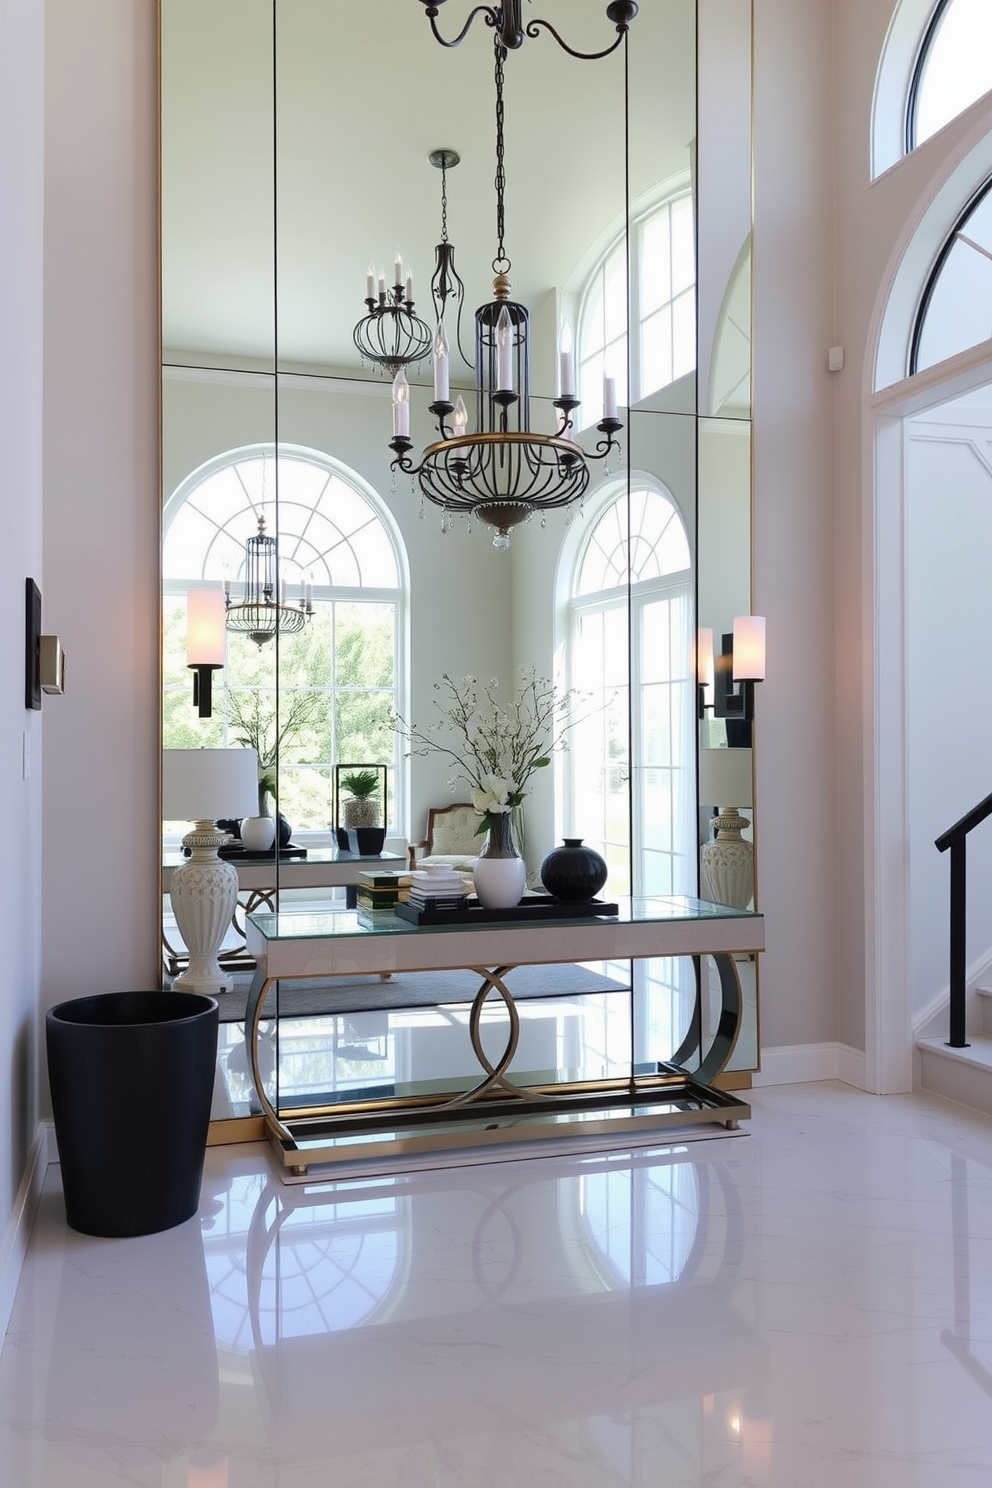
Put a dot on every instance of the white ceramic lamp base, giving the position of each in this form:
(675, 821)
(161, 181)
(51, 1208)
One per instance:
(727, 863)
(204, 892)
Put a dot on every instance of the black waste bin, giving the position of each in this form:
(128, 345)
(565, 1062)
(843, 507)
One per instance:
(132, 1076)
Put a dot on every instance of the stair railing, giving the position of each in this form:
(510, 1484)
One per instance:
(956, 838)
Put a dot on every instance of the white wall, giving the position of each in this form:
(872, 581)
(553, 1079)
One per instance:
(101, 502)
(21, 213)
(949, 696)
(796, 800)
(871, 224)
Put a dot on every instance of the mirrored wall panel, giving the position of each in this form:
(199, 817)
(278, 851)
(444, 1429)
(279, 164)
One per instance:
(321, 172)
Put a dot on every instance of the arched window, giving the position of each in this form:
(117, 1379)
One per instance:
(662, 309)
(631, 578)
(956, 305)
(953, 67)
(338, 681)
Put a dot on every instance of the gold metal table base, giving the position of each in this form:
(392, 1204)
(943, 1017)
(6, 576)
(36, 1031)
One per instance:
(496, 1110)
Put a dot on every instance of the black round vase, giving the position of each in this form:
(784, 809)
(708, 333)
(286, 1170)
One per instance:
(573, 873)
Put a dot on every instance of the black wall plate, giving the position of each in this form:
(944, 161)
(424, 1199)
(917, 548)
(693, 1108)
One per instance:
(32, 640)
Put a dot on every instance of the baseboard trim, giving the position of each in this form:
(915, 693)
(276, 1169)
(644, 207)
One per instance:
(798, 1064)
(15, 1241)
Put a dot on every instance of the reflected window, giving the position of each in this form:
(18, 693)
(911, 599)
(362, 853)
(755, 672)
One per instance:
(629, 632)
(956, 306)
(641, 1223)
(662, 310)
(338, 679)
(953, 67)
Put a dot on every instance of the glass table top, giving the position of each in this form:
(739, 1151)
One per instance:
(310, 924)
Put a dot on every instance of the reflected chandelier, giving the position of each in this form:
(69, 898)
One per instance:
(504, 472)
(507, 21)
(264, 611)
(391, 336)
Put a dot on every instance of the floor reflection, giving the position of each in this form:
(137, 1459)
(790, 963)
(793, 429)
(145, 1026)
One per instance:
(599, 1292)
(809, 1304)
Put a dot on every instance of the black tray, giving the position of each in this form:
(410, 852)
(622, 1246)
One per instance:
(236, 851)
(534, 907)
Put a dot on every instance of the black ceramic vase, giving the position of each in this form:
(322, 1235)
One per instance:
(573, 873)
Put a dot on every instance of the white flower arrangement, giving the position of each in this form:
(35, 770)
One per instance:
(501, 746)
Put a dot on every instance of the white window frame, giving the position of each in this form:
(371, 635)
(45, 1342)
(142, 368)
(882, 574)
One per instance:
(617, 364)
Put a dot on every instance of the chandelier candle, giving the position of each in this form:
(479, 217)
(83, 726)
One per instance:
(401, 406)
(441, 362)
(566, 372)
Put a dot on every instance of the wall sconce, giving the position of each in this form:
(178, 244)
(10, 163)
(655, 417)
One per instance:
(725, 683)
(44, 659)
(206, 637)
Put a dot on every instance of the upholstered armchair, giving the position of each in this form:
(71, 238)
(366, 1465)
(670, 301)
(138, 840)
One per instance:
(450, 838)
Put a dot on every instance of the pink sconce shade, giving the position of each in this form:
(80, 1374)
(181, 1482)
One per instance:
(206, 631)
(749, 648)
(206, 639)
(704, 656)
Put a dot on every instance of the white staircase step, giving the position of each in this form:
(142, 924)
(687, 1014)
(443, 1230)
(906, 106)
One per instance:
(963, 1075)
(984, 995)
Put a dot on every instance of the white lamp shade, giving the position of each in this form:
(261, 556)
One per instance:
(725, 777)
(749, 648)
(204, 784)
(206, 629)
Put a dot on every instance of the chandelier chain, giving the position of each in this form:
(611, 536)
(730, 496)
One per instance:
(501, 263)
(444, 201)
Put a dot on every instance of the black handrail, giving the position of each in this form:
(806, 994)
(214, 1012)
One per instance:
(956, 838)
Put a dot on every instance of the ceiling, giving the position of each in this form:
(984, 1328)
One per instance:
(363, 93)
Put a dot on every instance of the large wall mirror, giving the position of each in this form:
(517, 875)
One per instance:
(296, 137)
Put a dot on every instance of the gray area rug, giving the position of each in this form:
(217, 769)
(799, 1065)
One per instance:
(315, 998)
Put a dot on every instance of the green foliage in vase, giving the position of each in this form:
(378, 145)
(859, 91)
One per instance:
(496, 746)
(362, 784)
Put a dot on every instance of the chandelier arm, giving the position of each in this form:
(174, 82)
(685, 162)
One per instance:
(609, 428)
(534, 28)
(506, 20)
(431, 11)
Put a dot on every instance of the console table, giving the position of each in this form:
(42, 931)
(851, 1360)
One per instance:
(497, 1109)
(322, 868)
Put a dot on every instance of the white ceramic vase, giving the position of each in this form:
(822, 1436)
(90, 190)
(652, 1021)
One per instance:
(500, 874)
(258, 833)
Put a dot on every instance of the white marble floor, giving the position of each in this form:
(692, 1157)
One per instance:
(809, 1305)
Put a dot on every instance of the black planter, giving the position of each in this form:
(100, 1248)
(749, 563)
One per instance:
(132, 1076)
(365, 841)
(573, 873)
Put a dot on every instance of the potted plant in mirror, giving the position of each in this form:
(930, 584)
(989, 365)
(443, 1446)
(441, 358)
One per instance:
(359, 816)
(256, 724)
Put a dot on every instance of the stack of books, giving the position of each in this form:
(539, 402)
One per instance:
(377, 891)
(437, 888)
